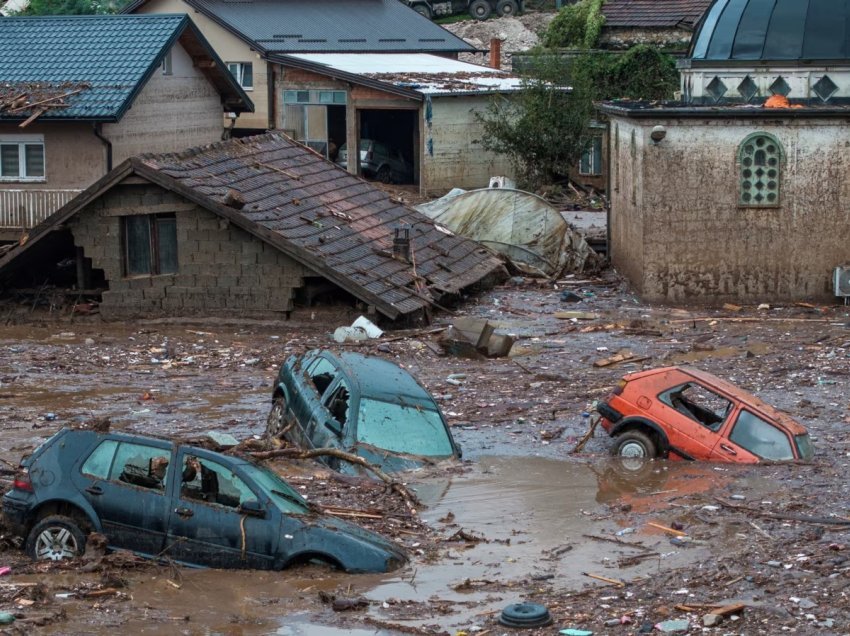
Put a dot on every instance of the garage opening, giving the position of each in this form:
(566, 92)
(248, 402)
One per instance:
(389, 145)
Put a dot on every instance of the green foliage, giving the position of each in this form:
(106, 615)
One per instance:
(543, 129)
(576, 26)
(68, 7)
(643, 72)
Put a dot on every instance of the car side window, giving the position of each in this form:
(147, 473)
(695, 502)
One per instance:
(100, 460)
(338, 403)
(760, 438)
(322, 373)
(210, 482)
(140, 465)
(698, 403)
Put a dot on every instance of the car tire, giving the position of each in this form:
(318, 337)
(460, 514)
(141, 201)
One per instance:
(480, 9)
(423, 9)
(276, 421)
(507, 8)
(55, 538)
(384, 174)
(634, 444)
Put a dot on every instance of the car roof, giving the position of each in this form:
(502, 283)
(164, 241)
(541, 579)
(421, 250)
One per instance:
(381, 379)
(783, 419)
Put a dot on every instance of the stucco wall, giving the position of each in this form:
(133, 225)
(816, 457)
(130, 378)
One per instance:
(698, 244)
(222, 270)
(172, 112)
(230, 49)
(73, 156)
(452, 156)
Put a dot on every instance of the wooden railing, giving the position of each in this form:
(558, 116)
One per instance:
(27, 208)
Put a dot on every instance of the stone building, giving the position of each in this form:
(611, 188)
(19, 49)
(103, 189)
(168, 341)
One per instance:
(250, 227)
(667, 24)
(740, 192)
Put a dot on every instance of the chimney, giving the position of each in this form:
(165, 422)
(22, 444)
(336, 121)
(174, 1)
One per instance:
(495, 53)
(401, 243)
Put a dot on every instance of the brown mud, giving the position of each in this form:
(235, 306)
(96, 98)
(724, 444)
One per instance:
(544, 517)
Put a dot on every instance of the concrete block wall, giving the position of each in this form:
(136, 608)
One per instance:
(222, 269)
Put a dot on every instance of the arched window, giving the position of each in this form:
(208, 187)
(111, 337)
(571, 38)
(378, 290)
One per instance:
(759, 163)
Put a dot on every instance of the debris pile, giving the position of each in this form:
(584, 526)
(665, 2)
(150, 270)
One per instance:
(34, 99)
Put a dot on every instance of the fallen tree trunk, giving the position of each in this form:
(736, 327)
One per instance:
(296, 453)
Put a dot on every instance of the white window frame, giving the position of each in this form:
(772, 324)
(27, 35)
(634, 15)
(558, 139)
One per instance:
(237, 69)
(589, 156)
(21, 141)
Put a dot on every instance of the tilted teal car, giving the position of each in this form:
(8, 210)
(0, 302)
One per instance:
(359, 404)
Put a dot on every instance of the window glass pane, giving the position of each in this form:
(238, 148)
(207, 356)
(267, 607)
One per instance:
(166, 234)
(339, 97)
(247, 75)
(322, 373)
(760, 438)
(317, 123)
(140, 465)
(290, 97)
(99, 462)
(213, 483)
(34, 155)
(294, 123)
(283, 495)
(9, 165)
(233, 67)
(304, 97)
(326, 97)
(402, 429)
(138, 242)
(584, 164)
(597, 155)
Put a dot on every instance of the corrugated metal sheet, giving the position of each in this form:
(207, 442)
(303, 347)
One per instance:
(301, 26)
(654, 13)
(335, 223)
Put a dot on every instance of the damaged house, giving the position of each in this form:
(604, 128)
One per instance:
(79, 94)
(248, 227)
(741, 191)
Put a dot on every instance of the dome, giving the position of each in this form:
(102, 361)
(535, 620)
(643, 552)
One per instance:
(774, 30)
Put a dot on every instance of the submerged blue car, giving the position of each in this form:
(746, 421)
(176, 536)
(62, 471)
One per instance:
(195, 506)
(359, 404)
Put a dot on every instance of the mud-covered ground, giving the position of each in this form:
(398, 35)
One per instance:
(771, 537)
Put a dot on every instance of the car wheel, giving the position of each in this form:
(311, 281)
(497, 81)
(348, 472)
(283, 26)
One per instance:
(422, 9)
(276, 421)
(634, 444)
(507, 8)
(480, 9)
(384, 175)
(55, 538)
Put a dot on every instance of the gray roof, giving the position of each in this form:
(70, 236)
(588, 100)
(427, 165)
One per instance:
(329, 26)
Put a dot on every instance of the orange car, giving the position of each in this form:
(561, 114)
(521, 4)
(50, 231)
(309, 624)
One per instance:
(684, 413)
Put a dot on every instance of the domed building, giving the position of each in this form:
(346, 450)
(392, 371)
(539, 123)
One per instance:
(740, 191)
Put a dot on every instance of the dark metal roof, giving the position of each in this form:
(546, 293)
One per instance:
(98, 62)
(328, 26)
(774, 30)
(654, 13)
(334, 223)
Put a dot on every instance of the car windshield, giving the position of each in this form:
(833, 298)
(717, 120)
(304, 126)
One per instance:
(804, 446)
(282, 494)
(402, 429)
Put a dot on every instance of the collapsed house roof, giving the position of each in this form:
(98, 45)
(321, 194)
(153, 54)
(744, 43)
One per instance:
(654, 13)
(91, 68)
(272, 26)
(334, 223)
(417, 73)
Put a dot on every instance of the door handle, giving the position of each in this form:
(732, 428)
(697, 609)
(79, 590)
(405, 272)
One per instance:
(94, 490)
(184, 512)
(729, 449)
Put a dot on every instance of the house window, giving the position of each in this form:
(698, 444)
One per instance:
(166, 64)
(759, 163)
(22, 158)
(243, 72)
(305, 116)
(150, 245)
(591, 158)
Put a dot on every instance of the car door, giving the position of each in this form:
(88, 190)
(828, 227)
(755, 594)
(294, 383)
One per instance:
(332, 418)
(748, 437)
(207, 527)
(318, 376)
(126, 485)
(693, 415)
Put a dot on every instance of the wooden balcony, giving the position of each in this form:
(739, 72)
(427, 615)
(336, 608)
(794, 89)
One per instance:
(23, 209)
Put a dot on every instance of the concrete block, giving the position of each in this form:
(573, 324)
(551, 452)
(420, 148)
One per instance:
(143, 282)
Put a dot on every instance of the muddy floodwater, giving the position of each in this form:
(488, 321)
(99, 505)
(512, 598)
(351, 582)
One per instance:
(605, 547)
